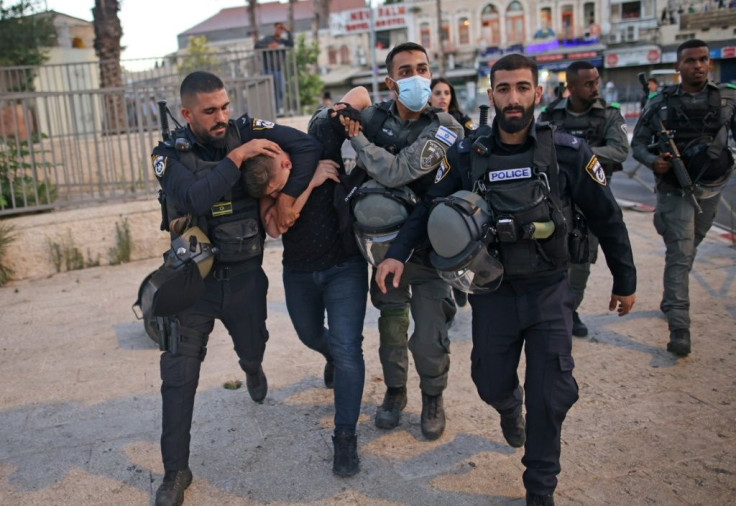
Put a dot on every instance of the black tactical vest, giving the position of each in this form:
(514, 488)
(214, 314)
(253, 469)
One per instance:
(233, 225)
(522, 189)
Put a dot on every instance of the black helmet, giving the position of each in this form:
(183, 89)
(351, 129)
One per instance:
(458, 227)
(379, 214)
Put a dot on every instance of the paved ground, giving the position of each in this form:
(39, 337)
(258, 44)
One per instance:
(80, 406)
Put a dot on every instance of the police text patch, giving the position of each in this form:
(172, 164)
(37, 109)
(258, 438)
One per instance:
(432, 154)
(446, 135)
(262, 124)
(595, 171)
(508, 174)
(159, 164)
(442, 171)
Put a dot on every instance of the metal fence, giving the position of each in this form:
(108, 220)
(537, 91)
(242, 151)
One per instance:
(76, 143)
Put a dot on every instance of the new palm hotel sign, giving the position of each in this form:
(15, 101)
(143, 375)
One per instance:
(385, 17)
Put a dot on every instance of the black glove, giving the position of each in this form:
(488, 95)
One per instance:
(348, 112)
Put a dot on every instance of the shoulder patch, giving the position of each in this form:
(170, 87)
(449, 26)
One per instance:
(262, 124)
(442, 170)
(432, 153)
(446, 135)
(595, 171)
(623, 128)
(159, 165)
(464, 145)
(567, 140)
(614, 105)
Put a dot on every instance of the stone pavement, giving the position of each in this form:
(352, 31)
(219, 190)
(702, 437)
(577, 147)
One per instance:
(80, 407)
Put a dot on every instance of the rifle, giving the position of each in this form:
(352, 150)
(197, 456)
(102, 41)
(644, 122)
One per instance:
(644, 85)
(180, 143)
(560, 90)
(665, 144)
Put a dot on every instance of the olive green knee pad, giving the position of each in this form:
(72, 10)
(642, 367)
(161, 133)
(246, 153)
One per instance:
(393, 327)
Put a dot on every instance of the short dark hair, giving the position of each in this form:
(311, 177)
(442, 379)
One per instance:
(572, 70)
(515, 62)
(454, 107)
(199, 82)
(406, 46)
(256, 174)
(653, 80)
(689, 44)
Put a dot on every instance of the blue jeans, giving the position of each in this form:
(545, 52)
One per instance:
(341, 291)
(278, 87)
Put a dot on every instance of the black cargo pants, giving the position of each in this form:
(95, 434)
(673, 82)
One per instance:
(536, 314)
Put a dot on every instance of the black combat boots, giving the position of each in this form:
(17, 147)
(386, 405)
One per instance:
(579, 329)
(387, 414)
(679, 342)
(540, 500)
(257, 385)
(514, 429)
(345, 461)
(433, 416)
(171, 491)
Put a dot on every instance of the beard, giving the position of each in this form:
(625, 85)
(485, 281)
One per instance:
(206, 137)
(513, 125)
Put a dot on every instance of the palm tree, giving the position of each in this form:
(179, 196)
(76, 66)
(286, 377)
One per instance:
(252, 11)
(108, 32)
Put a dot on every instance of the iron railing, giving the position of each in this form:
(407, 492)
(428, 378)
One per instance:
(66, 141)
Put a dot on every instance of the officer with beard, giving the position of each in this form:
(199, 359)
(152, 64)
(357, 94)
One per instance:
(700, 113)
(587, 116)
(200, 175)
(510, 165)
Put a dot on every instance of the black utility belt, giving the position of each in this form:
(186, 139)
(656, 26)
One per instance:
(226, 272)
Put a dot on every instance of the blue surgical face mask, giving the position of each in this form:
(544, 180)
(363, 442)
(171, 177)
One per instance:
(414, 92)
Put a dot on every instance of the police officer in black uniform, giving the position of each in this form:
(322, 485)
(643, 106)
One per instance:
(200, 177)
(587, 116)
(513, 165)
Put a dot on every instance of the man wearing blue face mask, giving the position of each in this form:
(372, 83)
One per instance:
(402, 145)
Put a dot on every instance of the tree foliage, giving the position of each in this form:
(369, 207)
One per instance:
(25, 33)
(199, 56)
(310, 84)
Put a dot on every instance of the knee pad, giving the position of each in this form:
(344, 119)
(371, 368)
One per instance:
(393, 327)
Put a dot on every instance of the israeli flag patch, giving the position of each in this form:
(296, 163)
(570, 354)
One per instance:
(509, 174)
(446, 135)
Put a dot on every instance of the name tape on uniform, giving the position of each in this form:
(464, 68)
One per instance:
(508, 174)
(446, 135)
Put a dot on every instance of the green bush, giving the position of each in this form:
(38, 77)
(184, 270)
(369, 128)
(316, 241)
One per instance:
(18, 187)
(5, 239)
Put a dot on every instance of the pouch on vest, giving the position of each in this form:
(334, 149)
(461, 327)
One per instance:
(175, 288)
(237, 241)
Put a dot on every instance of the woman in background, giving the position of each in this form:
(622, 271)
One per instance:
(443, 97)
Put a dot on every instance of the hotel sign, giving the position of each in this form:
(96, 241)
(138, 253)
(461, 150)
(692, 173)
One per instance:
(386, 17)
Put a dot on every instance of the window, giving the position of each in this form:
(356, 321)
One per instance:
(515, 22)
(332, 55)
(589, 13)
(463, 31)
(424, 34)
(631, 10)
(344, 55)
(568, 30)
(490, 25)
